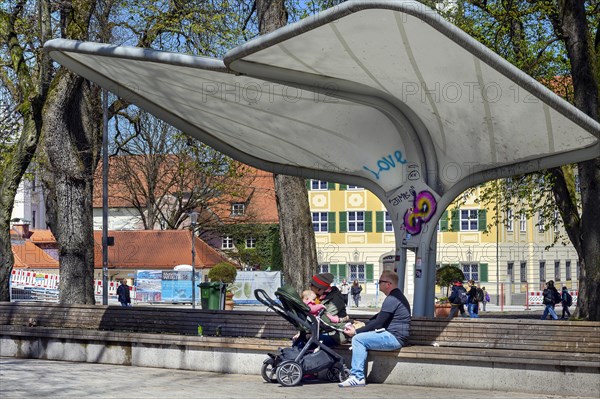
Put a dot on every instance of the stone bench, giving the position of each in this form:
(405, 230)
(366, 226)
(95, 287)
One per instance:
(560, 357)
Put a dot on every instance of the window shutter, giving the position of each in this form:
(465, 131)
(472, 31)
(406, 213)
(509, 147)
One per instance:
(368, 221)
(455, 220)
(369, 272)
(342, 270)
(333, 269)
(307, 181)
(379, 227)
(444, 221)
(483, 272)
(331, 222)
(482, 219)
(343, 218)
(343, 187)
(330, 186)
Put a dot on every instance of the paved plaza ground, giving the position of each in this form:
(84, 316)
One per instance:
(28, 378)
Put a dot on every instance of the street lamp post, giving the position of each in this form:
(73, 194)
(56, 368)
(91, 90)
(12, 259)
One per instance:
(193, 220)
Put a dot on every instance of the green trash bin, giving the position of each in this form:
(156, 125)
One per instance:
(211, 294)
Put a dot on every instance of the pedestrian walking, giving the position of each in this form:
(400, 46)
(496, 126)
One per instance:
(473, 305)
(566, 301)
(550, 298)
(123, 294)
(486, 297)
(345, 290)
(355, 291)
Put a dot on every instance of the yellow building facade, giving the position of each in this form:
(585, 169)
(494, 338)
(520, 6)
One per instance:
(355, 240)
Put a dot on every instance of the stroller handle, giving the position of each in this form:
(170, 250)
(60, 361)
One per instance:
(263, 298)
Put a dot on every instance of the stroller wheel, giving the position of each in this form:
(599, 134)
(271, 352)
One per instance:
(334, 374)
(268, 370)
(289, 373)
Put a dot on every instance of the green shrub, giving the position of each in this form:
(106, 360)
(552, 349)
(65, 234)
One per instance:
(223, 272)
(446, 275)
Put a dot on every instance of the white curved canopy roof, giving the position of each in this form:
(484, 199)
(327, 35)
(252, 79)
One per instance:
(373, 93)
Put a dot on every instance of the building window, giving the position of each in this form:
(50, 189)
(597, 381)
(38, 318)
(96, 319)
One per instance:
(468, 220)
(556, 270)
(357, 272)
(556, 221)
(323, 268)
(319, 220)
(227, 242)
(523, 223)
(388, 223)
(568, 270)
(33, 219)
(523, 272)
(250, 242)
(471, 271)
(542, 270)
(237, 209)
(356, 221)
(509, 220)
(510, 271)
(318, 185)
(540, 222)
(577, 184)
(350, 187)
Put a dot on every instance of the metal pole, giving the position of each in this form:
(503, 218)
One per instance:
(497, 251)
(193, 217)
(104, 197)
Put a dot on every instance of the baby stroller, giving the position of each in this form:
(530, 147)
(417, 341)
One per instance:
(308, 355)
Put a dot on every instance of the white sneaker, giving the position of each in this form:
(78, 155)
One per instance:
(352, 382)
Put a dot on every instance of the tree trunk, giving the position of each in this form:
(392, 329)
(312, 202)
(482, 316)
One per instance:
(71, 145)
(20, 158)
(571, 21)
(588, 299)
(296, 234)
(271, 15)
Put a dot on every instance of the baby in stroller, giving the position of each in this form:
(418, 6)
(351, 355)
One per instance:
(307, 355)
(316, 309)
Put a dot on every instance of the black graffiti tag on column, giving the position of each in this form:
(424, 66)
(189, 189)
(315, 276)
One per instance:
(386, 163)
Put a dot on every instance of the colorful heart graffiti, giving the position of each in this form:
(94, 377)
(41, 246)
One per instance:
(423, 209)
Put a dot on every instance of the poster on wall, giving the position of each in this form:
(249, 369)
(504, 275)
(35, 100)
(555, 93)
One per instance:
(168, 286)
(148, 284)
(246, 282)
(177, 286)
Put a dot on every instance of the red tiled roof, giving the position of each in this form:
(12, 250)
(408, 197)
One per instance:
(28, 255)
(133, 249)
(42, 236)
(259, 198)
(257, 192)
(154, 249)
(262, 205)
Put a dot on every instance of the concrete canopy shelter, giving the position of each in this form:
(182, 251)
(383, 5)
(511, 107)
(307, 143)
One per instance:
(381, 94)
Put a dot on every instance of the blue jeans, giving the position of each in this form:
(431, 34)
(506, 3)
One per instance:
(549, 309)
(370, 340)
(472, 313)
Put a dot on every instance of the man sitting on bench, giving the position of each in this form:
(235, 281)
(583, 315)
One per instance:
(388, 330)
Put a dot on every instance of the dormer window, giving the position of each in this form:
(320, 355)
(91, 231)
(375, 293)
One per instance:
(237, 209)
